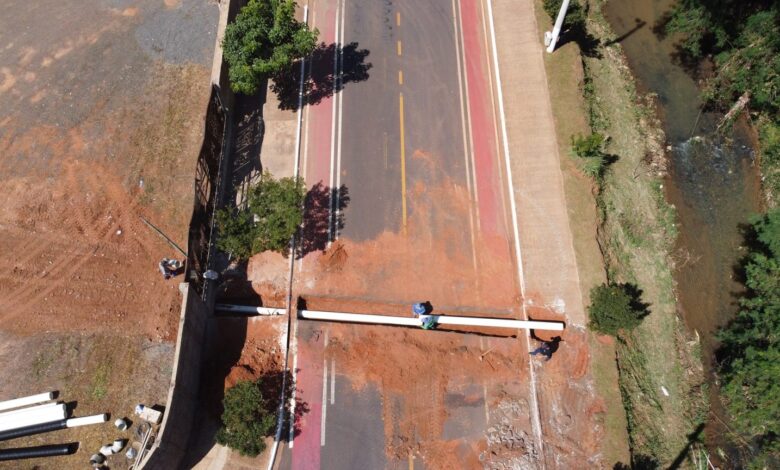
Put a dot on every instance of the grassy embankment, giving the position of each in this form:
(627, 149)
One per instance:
(624, 232)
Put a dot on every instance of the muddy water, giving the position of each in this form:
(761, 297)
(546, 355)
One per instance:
(712, 180)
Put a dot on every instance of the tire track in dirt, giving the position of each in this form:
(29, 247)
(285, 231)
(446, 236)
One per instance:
(65, 265)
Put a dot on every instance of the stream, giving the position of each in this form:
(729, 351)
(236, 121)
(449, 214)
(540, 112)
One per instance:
(712, 183)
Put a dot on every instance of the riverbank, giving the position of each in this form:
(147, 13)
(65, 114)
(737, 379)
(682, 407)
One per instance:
(633, 229)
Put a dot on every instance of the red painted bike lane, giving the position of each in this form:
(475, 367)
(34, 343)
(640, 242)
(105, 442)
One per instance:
(306, 445)
(320, 115)
(483, 128)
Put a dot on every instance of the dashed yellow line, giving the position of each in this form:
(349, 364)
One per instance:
(398, 18)
(403, 163)
(400, 48)
(400, 77)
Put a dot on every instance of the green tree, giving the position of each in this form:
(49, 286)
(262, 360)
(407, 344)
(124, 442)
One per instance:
(750, 345)
(273, 214)
(615, 308)
(265, 39)
(245, 421)
(236, 232)
(575, 15)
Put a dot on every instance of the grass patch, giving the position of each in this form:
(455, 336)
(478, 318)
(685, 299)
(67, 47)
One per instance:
(100, 380)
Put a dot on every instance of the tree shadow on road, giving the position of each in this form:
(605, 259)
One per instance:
(321, 79)
(323, 217)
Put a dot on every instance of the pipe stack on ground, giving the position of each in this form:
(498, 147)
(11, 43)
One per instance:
(37, 415)
(53, 426)
(26, 401)
(40, 451)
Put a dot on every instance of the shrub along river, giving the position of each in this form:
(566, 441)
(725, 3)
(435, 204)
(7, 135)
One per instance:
(713, 182)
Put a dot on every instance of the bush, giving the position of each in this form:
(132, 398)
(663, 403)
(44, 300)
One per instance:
(265, 39)
(591, 149)
(245, 422)
(273, 214)
(615, 308)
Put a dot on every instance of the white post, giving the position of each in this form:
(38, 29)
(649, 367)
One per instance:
(550, 39)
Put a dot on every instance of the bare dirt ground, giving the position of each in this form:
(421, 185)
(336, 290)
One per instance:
(101, 108)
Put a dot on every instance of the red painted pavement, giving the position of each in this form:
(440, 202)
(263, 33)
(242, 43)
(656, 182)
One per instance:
(483, 129)
(306, 446)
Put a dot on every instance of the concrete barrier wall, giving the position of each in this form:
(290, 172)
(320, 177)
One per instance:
(174, 433)
(171, 442)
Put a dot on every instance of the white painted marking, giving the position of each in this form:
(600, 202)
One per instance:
(518, 254)
(333, 128)
(493, 113)
(332, 381)
(326, 336)
(324, 401)
(485, 399)
(468, 118)
(340, 96)
(464, 132)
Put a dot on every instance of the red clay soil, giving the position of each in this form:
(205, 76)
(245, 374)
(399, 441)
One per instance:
(76, 255)
(432, 261)
(415, 369)
(261, 353)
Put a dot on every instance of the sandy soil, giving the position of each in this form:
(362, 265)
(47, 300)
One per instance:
(101, 106)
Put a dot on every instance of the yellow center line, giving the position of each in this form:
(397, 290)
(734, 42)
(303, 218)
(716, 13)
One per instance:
(403, 164)
(400, 77)
(411, 462)
(398, 18)
(400, 49)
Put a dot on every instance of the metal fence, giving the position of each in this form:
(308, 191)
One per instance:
(207, 183)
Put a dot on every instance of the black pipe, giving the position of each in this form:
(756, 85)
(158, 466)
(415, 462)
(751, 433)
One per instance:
(33, 429)
(40, 451)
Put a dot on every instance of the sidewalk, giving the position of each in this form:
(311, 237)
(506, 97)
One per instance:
(549, 266)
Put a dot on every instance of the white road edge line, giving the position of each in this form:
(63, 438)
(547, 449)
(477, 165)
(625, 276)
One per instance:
(324, 401)
(333, 128)
(468, 117)
(340, 97)
(493, 111)
(518, 254)
(332, 381)
(455, 31)
(291, 341)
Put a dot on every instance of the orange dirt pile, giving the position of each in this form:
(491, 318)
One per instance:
(262, 353)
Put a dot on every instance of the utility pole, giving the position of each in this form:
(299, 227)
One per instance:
(550, 39)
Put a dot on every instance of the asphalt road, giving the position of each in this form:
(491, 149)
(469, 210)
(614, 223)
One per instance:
(404, 136)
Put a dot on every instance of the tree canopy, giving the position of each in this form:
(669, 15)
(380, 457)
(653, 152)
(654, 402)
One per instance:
(273, 214)
(749, 354)
(615, 309)
(264, 40)
(245, 421)
(744, 38)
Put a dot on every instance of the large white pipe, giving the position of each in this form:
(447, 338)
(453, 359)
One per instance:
(26, 401)
(249, 309)
(27, 413)
(86, 420)
(17, 411)
(20, 421)
(558, 25)
(440, 319)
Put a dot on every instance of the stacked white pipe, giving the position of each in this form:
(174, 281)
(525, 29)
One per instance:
(34, 415)
(26, 401)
